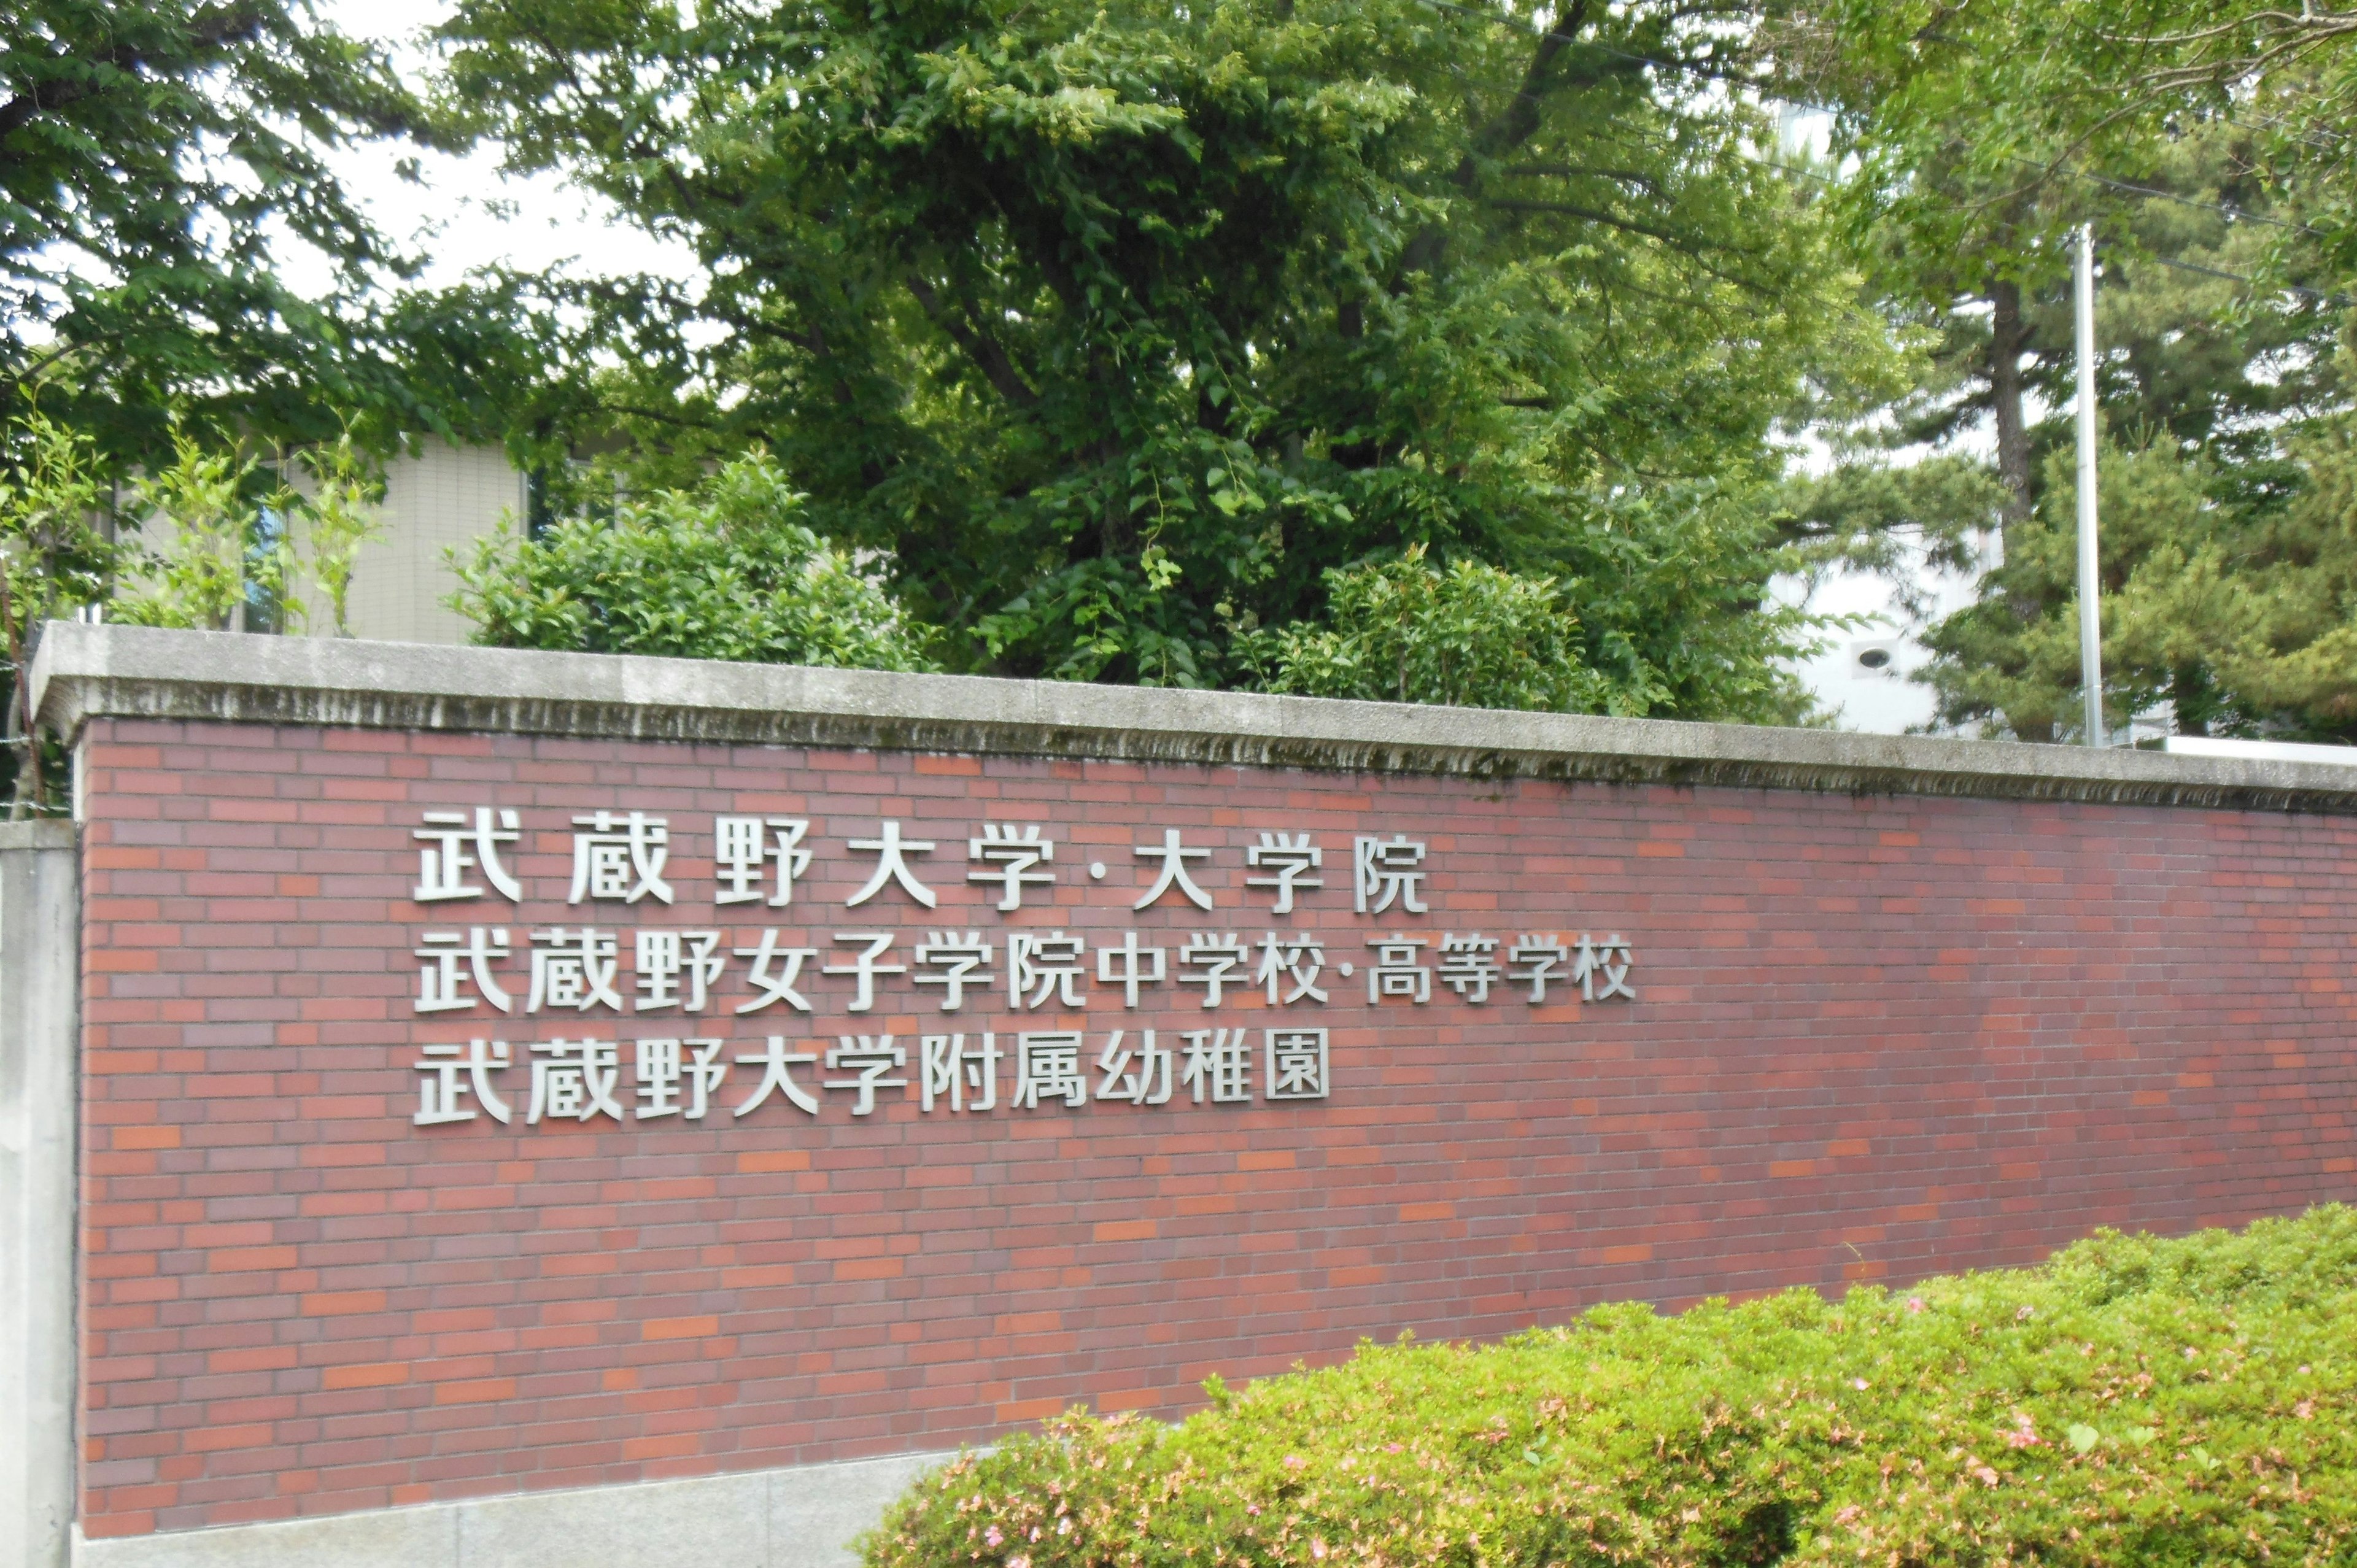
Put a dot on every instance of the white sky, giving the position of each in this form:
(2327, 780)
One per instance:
(455, 218)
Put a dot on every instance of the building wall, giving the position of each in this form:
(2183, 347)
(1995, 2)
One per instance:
(1873, 1035)
(437, 498)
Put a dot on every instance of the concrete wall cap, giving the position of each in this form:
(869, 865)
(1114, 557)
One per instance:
(39, 832)
(85, 671)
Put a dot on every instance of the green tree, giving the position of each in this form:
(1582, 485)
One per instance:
(1111, 328)
(158, 160)
(1963, 254)
(2241, 613)
(54, 559)
(1983, 136)
(2018, 92)
(727, 572)
(2289, 665)
(2217, 397)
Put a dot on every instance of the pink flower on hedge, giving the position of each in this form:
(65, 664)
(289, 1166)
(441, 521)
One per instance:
(1914, 1303)
(1294, 1461)
(991, 1537)
(2024, 1433)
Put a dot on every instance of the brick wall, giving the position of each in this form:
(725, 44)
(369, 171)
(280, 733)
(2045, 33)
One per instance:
(1872, 1038)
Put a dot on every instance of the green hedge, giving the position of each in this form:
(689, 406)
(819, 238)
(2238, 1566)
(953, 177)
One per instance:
(2134, 1401)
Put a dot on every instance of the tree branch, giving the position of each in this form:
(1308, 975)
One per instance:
(238, 24)
(1572, 171)
(1517, 122)
(980, 347)
(1685, 243)
(2324, 24)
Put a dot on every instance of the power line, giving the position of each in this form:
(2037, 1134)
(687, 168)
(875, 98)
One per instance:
(2314, 137)
(2229, 212)
(2341, 300)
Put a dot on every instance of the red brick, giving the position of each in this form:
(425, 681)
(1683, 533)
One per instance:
(679, 1327)
(1873, 1038)
(868, 1269)
(1125, 1230)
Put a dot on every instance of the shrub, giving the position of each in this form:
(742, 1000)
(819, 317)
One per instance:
(2133, 1401)
(728, 571)
(219, 547)
(1405, 631)
(342, 513)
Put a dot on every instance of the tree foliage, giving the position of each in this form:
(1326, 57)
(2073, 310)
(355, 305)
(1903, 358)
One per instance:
(160, 162)
(54, 559)
(2134, 1401)
(2217, 398)
(1469, 635)
(2242, 616)
(727, 572)
(1110, 328)
(1984, 136)
(2024, 92)
(212, 546)
(1466, 635)
(1130, 342)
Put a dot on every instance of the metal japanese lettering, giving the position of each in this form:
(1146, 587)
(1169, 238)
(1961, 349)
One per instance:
(622, 862)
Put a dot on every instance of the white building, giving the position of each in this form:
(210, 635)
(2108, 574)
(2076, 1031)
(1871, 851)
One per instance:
(1865, 676)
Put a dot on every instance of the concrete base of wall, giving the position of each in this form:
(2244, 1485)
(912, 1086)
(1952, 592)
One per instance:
(40, 939)
(805, 1517)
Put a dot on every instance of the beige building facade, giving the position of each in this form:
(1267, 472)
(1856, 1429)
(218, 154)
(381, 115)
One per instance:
(438, 498)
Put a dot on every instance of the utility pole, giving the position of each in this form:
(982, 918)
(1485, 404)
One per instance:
(2091, 630)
